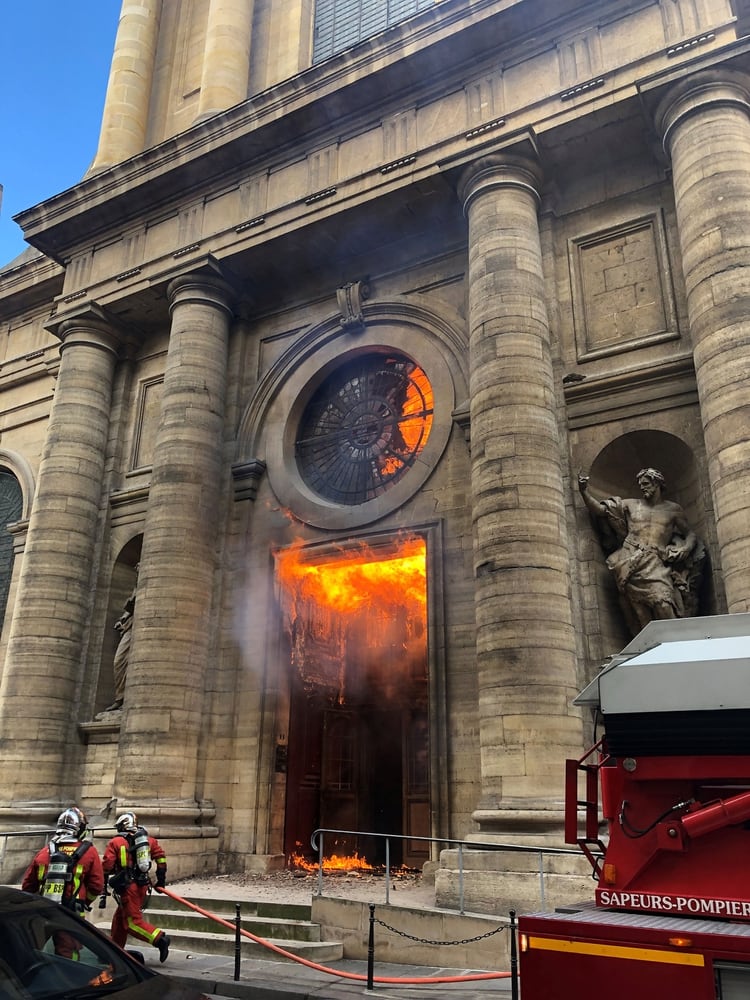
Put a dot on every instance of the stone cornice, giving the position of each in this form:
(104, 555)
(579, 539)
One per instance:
(323, 102)
(663, 385)
(25, 283)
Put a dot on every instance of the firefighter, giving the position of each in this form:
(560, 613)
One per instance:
(67, 871)
(128, 859)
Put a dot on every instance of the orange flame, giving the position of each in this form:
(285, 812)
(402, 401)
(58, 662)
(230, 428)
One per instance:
(334, 863)
(358, 577)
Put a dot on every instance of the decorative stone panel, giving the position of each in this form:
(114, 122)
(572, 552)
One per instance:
(622, 288)
(147, 419)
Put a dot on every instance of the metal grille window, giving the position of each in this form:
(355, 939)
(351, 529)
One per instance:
(364, 428)
(340, 24)
(11, 509)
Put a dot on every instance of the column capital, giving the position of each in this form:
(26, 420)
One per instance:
(704, 91)
(500, 170)
(91, 326)
(206, 285)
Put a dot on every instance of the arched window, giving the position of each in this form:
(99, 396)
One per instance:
(11, 509)
(340, 24)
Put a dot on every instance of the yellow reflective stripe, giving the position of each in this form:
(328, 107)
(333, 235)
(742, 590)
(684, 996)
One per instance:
(124, 856)
(617, 951)
(77, 873)
(149, 936)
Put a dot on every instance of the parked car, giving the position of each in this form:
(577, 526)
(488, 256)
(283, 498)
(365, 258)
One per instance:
(48, 953)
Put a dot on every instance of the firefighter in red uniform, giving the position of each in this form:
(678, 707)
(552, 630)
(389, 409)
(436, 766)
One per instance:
(127, 861)
(67, 871)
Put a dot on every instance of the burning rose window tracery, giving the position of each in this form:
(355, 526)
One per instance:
(364, 428)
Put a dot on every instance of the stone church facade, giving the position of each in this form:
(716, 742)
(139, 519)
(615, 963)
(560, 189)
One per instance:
(307, 366)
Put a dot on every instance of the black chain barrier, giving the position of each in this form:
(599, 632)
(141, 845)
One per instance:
(411, 937)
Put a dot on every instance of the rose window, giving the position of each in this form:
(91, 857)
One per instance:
(364, 428)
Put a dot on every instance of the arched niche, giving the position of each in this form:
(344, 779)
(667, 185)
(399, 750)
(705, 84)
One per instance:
(122, 584)
(614, 473)
(614, 470)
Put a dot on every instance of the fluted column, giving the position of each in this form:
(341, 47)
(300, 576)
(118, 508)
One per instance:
(126, 106)
(525, 642)
(226, 57)
(43, 673)
(172, 623)
(706, 126)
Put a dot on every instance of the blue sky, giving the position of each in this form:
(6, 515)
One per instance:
(54, 66)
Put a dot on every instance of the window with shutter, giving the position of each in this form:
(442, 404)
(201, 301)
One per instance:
(339, 24)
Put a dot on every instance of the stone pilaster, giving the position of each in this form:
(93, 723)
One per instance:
(525, 640)
(226, 57)
(163, 709)
(42, 680)
(705, 122)
(126, 106)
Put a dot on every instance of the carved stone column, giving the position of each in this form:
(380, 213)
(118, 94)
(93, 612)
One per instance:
(42, 680)
(226, 57)
(126, 106)
(163, 709)
(705, 122)
(525, 642)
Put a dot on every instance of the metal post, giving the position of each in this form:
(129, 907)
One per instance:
(541, 877)
(513, 957)
(320, 865)
(237, 940)
(371, 950)
(461, 878)
(387, 871)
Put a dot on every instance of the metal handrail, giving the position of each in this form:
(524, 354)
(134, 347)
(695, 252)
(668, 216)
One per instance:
(46, 833)
(318, 837)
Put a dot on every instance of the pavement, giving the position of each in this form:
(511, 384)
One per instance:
(286, 980)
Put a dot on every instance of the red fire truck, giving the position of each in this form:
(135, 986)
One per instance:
(669, 783)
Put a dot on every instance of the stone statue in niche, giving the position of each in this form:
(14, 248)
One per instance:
(653, 554)
(123, 626)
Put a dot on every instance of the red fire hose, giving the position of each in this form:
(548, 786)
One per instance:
(470, 977)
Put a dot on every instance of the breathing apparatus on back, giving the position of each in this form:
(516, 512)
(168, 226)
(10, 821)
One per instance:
(137, 838)
(60, 869)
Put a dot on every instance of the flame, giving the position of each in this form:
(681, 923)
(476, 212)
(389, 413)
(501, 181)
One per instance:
(416, 418)
(334, 863)
(357, 578)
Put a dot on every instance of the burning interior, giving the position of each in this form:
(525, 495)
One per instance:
(358, 736)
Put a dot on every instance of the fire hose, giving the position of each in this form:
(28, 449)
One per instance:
(360, 977)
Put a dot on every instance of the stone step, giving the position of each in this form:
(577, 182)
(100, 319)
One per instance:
(265, 927)
(222, 907)
(203, 943)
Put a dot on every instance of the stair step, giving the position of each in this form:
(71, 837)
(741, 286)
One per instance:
(265, 927)
(204, 943)
(287, 926)
(222, 907)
